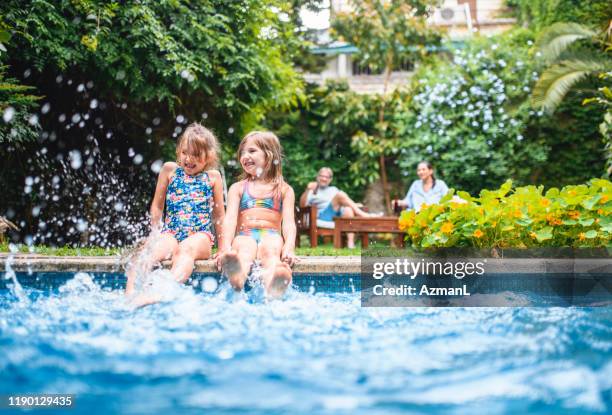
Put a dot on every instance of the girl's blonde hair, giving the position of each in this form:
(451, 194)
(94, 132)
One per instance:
(199, 140)
(269, 143)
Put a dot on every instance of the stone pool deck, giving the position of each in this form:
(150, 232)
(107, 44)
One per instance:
(47, 263)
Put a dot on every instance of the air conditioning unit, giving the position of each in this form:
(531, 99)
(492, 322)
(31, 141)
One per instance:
(447, 14)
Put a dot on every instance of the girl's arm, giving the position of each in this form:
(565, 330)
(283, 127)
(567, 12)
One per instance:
(230, 221)
(218, 208)
(288, 227)
(157, 206)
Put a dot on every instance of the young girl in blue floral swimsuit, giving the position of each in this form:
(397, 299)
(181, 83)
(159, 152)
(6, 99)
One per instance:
(192, 194)
(260, 220)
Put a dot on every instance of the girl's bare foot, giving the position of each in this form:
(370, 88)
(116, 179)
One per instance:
(145, 299)
(230, 267)
(278, 284)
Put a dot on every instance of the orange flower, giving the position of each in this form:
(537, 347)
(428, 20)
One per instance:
(478, 233)
(574, 214)
(545, 202)
(405, 223)
(582, 236)
(447, 227)
(517, 213)
(603, 199)
(600, 211)
(533, 235)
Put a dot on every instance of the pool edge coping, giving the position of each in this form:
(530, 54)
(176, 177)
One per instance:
(47, 263)
(307, 265)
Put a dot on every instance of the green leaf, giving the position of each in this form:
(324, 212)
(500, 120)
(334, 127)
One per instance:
(590, 203)
(591, 234)
(556, 81)
(544, 234)
(555, 39)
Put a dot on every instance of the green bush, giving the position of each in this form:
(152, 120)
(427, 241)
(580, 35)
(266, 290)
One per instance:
(472, 118)
(575, 216)
(538, 14)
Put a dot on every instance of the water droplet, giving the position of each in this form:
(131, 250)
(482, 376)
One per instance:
(75, 159)
(258, 171)
(93, 104)
(120, 75)
(82, 225)
(138, 159)
(45, 108)
(209, 285)
(180, 119)
(156, 166)
(8, 114)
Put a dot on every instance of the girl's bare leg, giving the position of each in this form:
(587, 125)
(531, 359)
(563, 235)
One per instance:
(276, 274)
(342, 200)
(236, 264)
(197, 246)
(194, 247)
(155, 250)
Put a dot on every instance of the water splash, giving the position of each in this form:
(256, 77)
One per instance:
(9, 274)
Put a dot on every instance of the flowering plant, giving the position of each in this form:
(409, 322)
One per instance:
(575, 216)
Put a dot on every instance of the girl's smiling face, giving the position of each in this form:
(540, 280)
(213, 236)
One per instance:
(191, 163)
(252, 159)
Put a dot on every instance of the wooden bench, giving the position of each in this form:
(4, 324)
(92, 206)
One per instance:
(306, 223)
(381, 224)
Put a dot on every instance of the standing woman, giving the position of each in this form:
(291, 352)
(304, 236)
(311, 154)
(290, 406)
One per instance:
(427, 189)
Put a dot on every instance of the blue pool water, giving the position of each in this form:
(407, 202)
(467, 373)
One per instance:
(316, 352)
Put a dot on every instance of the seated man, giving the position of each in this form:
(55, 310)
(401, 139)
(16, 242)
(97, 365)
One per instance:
(330, 202)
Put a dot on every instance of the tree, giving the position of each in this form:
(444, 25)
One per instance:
(539, 14)
(386, 34)
(17, 124)
(120, 81)
(162, 58)
(569, 66)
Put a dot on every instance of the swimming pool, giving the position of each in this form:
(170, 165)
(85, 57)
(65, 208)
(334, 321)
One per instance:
(316, 352)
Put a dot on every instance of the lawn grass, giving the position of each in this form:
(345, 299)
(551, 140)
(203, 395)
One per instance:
(321, 250)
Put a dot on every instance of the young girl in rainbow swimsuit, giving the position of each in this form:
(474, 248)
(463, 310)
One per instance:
(192, 193)
(260, 220)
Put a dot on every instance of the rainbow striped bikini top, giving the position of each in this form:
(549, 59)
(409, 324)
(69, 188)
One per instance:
(247, 201)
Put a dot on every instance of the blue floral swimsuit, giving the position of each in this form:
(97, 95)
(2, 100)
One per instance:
(188, 205)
